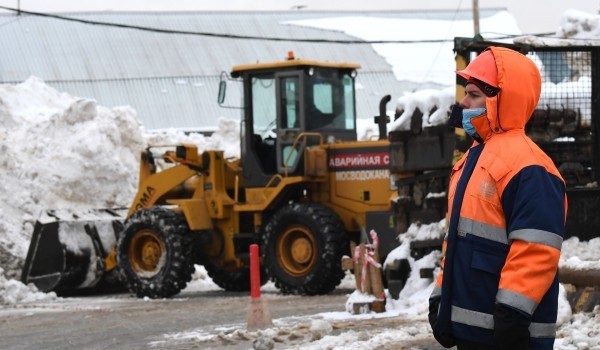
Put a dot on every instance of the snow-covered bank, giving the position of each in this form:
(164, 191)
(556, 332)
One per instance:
(64, 152)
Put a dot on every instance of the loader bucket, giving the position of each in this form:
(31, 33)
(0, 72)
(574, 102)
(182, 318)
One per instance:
(68, 249)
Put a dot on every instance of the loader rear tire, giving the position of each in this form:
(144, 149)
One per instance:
(303, 248)
(155, 253)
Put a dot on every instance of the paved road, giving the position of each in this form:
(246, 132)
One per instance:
(124, 322)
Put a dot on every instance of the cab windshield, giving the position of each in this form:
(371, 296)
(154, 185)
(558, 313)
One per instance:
(330, 101)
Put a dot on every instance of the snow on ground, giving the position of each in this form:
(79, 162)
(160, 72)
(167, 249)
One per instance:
(64, 152)
(14, 292)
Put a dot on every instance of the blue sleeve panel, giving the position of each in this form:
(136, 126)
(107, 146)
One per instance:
(535, 199)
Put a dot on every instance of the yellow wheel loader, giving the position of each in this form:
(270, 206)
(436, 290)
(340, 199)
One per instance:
(303, 188)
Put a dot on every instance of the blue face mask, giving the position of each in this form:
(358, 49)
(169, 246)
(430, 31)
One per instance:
(467, 115)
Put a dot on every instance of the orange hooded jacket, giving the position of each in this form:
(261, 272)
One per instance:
(505, 231)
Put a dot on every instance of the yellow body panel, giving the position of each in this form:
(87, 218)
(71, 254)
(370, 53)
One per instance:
(159, 184)
(357, 179)
(196, 213)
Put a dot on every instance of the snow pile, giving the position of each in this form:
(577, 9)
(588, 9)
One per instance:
(14, 292)
(60, 152)
(416, 232)
(576, 28)
(433, 104)
(577, 255)
(200, 281)
(358, 297)
(63, 152)
(582, 332)
(67, 153)
(579, 25)
(366, 129)
(225, 138)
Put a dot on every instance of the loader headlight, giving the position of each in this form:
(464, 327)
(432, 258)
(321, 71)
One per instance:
(180, 152)
(187, 152)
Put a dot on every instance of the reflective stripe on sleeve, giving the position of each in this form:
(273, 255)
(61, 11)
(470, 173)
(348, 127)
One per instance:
(437, 291)
(516, 300)
(480, 229)
(537, 236)
(483, 320)
(542, 330)
(472, 318)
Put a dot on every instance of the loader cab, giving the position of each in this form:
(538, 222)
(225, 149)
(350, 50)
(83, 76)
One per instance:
(284, 99)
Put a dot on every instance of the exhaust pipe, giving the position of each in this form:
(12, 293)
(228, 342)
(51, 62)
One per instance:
(382, 119)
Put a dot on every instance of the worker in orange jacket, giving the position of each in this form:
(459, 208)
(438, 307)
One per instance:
(498, 286)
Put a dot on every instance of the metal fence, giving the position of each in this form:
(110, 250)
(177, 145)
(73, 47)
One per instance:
(565, 123)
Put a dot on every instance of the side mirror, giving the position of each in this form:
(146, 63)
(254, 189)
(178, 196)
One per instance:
(222, 89)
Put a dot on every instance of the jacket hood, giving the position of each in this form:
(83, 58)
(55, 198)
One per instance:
(520, 86)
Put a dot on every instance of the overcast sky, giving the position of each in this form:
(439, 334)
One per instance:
(533, 16)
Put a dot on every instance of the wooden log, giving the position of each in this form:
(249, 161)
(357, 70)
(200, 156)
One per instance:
(375, 276)
(365, 281)
(378, 306)
(347, 263)
(588, 298)
(357, 267)
(580, 278)
(377, 284)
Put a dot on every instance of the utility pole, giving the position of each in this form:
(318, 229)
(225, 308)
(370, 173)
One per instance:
(476, 17)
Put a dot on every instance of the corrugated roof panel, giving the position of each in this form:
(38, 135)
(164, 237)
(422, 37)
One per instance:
(63, 50)
(183, 102)
(191, 102)
(172, 80)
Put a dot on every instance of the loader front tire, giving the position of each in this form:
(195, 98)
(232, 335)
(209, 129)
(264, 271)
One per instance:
(303, 248)
(237, 280)
(155, 253)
